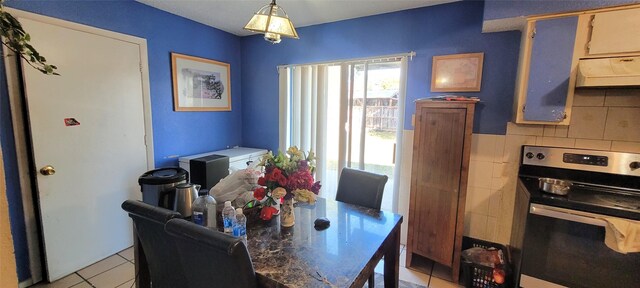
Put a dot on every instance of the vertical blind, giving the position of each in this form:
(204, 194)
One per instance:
(303, 111)
(303, 100)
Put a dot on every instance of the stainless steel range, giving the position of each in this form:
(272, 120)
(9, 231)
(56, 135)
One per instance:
(558, 240)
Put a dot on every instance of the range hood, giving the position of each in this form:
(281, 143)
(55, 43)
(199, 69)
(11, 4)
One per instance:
(609, 72)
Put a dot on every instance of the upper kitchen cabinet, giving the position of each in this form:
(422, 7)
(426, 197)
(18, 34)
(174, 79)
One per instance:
(615, 32)
(545, 80)
(554, 46)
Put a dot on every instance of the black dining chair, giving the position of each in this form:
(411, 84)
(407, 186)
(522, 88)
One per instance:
(211, 258)
(159, 249)
(361, 188)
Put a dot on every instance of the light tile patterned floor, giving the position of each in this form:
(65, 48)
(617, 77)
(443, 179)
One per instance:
(438, 278)
(117, 271)
(114, 271)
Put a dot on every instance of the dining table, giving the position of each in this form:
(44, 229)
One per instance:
(344, 254)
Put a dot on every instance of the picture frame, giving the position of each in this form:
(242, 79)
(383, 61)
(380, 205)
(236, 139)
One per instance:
(200, 84)
(457, 72)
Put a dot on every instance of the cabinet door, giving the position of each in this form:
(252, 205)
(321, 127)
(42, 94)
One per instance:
(616, 32)
(437, 179)
(550, 69)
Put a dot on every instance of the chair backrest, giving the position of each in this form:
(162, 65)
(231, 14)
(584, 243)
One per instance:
(159, 249)
(361, 188)
(211, 258)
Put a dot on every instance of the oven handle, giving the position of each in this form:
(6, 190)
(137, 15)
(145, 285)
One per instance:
(567, 214)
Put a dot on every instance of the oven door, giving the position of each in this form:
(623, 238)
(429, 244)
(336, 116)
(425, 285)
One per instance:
(565, 248)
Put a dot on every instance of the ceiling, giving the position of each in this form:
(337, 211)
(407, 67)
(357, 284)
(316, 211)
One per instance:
(232, 15)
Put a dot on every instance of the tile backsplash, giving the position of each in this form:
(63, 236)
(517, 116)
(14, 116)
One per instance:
(602, 119)
(606, 114)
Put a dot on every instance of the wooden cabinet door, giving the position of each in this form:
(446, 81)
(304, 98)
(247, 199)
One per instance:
(436, 180)
(550, 69)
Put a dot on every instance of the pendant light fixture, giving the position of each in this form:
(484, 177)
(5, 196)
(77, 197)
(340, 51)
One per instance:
(273, 22)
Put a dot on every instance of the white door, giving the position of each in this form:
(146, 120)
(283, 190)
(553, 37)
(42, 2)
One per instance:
(88, 124)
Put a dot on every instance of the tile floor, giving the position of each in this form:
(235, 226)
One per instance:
(118, 271)
(438, 278)
(114, 271)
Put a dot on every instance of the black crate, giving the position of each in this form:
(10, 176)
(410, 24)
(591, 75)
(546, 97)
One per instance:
(479, 276)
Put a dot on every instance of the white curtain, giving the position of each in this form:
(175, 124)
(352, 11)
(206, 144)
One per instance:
(402, 95)
(343, 141)
(284, 107)
(303, 99)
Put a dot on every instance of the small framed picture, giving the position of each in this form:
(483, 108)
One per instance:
(457, 73)
(200, 84)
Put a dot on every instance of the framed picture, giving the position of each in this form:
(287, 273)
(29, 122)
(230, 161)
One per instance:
(457, 73)
(200, 84)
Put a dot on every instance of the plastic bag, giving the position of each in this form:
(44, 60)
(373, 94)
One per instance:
(487, 257)
(236, 186)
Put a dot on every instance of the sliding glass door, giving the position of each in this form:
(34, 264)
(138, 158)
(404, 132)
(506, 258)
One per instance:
(373, 123)
(362, 122)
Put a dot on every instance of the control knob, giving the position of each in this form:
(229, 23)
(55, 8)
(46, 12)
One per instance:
(634, 165)
(529, 155)
(540, 156)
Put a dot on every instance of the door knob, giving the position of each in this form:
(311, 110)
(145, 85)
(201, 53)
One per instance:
(47, 170)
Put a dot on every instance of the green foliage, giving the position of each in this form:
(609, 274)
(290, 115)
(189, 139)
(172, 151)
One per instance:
(17, 40)
(387, 135)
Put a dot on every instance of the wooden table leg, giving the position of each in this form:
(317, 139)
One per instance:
(392, 259)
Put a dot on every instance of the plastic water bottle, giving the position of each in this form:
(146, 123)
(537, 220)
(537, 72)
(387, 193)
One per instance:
(228, 217)
(204, 210)
(240, 227)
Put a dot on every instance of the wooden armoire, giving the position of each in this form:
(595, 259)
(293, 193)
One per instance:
(440, 168)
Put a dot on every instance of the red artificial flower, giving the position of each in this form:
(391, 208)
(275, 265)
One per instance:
(276, 173)
(282, 181)
(259, 193)
(262, 181)
(300, 180)
(267, 213)
(315, 188)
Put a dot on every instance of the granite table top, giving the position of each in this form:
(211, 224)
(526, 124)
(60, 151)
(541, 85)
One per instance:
(300, 256)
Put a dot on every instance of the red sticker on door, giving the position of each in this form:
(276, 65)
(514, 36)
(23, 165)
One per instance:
(71, 122)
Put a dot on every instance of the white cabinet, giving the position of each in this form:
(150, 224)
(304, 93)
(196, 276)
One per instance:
(551, 48)
(615, 32)
(238, 157)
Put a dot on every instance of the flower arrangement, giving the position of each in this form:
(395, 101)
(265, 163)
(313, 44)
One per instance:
(287, 176)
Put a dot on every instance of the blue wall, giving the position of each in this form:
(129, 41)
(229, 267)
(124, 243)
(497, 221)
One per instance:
(499, 9)
(438, 30)
(175, 133)
(445, 29)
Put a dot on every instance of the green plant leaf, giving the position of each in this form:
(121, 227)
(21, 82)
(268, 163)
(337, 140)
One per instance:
(16, 40)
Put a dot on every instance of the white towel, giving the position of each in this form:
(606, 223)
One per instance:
(622, 235)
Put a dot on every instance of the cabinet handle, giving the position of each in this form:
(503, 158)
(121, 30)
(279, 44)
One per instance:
(566, 214)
